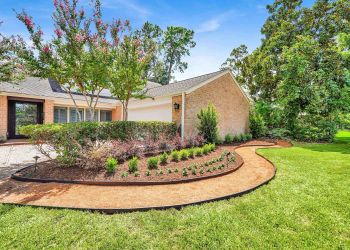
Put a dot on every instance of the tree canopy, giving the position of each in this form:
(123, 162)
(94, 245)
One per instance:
(299, 73)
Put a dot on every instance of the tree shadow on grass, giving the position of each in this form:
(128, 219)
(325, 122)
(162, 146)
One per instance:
(335, 147)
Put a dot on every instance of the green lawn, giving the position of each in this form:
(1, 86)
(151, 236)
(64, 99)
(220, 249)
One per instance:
(307, 205)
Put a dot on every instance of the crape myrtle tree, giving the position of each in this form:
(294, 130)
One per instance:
(298, 76)
(77, 55)
(12, 66)
(127, 70)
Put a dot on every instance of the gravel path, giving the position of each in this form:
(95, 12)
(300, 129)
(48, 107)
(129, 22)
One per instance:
(255, 171)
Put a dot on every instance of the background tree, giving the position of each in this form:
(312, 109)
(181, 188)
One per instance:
(237, 63)
(151, 35)
(297, 76)
(176, 44)
(127, 71)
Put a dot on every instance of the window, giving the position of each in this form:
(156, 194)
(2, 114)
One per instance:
(87, 114)
(73, 116)
(60, 115)
(105, 115)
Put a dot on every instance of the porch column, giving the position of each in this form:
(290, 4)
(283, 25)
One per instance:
(3, 117)
(48, 111)
(117, 113)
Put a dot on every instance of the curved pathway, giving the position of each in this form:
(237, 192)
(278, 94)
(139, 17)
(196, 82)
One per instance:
(254, 172)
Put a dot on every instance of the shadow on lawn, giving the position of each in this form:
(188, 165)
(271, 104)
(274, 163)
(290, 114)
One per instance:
(341, 144)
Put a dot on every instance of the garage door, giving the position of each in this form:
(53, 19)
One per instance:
(153, 113)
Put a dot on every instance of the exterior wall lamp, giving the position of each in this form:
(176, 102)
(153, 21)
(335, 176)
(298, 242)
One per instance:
(176, 106)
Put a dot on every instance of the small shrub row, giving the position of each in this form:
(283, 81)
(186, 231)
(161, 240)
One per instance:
(230, 138)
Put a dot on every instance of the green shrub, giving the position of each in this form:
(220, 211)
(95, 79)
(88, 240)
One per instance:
(281, 133)
(184, 172)
(125, 174)
(236, 138)
(208, 123)
(164, 158)
(183, 154)
(249, 136)
(133, 165)
(137, 174)
(111, 165)
(148, 173)
(194, 172)
(211, 147)
(169, 171)
(219, 141)
(152, 163)
(175, 155)
(198, 151)
(190, 152)
(201, 171)
(206, 149)
(229, 138)
(257, 124)
(68, 140)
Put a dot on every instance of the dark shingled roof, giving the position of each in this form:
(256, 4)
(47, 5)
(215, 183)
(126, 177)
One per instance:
(180, 86)
(50, 88)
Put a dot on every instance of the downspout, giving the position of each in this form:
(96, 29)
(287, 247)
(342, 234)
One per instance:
(183, 116)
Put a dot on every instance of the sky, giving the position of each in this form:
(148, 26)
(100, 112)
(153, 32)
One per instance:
(219, 25)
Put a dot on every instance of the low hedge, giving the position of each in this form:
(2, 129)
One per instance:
(69, 140)
(117, 130)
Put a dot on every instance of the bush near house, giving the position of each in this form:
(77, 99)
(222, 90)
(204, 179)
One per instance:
(208, 123)
(84, 139)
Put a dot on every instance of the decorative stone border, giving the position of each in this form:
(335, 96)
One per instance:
(178, 207)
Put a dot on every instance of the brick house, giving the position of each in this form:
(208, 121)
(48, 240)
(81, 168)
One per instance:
(36, 100)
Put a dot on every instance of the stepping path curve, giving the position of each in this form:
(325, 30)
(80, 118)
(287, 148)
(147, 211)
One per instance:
(255, 172)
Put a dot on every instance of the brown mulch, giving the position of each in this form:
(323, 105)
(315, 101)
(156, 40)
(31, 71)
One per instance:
(254, 172)
(53, 171)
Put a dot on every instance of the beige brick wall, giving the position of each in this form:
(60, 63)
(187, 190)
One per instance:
(117, 113)
(48, 111)
(231, 104)
(176, 114)
(3, 117)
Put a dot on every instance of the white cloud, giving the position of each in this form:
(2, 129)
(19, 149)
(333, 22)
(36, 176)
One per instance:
(215, 22)
(129, 4)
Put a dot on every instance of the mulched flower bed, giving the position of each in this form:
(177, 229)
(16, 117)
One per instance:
(170, 172)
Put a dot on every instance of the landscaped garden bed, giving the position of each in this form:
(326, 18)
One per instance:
(173, 167)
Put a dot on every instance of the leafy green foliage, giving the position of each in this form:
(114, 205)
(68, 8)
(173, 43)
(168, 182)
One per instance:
(152, 163)
(237, 63)
(299, 75)
(68, 140)
(190, 152)
(183, 154)
(164, 158)
(133, 165)
(256, 123)
(175, 155)
(229, 138)
(111, 165)
(176, 44)
(208, 123)
(127, 71)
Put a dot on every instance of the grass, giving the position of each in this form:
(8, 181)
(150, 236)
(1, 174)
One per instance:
(307, 205)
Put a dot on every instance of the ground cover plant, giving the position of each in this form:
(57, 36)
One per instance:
(305, 206)
(144, 168)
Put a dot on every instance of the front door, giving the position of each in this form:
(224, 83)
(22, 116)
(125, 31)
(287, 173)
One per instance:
(23, 113)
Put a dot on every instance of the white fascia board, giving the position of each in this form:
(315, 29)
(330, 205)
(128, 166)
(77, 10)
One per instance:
(150, 102)
(205, 82)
